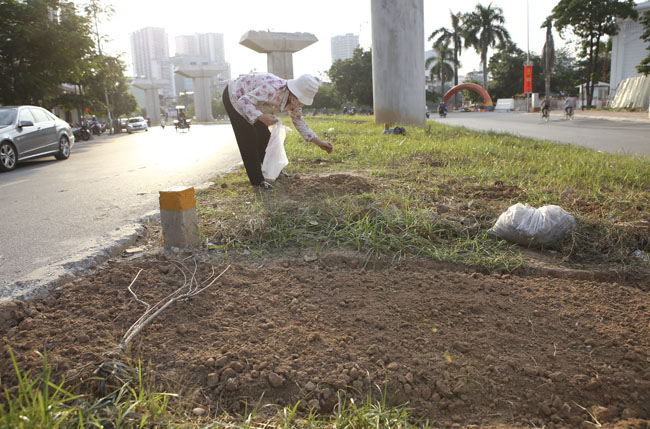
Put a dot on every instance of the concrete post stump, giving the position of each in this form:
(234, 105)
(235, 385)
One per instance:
(179, 219)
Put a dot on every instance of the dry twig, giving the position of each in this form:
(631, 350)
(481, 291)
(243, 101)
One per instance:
(188, 290)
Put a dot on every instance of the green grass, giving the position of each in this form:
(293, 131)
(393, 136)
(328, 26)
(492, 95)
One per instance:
(38, 402)
(411, 176)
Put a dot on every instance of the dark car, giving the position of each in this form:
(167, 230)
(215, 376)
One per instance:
(28, 132)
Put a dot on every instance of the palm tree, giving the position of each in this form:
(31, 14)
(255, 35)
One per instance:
(548, 57)
(455, 37)
(443, 64)
(483, 29)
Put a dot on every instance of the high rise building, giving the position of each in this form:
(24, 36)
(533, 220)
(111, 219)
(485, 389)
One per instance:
(343, 46)
(199, 48)
(206, 45)
(150, 52)
(187, 45)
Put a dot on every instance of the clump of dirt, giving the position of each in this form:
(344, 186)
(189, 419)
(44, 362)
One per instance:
(307, 187)
(498, 191)
(460, 346)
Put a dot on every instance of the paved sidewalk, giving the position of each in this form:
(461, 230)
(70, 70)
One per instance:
(607, 114)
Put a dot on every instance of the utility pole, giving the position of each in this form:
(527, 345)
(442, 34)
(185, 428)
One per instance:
(528, 63)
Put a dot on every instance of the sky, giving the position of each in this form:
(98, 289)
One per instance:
(324, 19)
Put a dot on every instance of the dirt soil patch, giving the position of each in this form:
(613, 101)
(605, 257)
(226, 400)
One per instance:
(460, 346)
(306, 187)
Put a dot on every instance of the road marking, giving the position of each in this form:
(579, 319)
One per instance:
(13, 183)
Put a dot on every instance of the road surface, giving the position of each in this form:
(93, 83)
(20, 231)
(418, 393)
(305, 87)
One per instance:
(614, 136)
(57, 213)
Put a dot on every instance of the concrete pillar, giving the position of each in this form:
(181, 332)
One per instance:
(152, 100)
(178, 216)
(279, 48)
(398, 61)
(201, 75)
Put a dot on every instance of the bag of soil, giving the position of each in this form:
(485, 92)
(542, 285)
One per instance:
(529, 226)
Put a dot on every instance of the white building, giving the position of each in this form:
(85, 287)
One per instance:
(187, 45)
(628, 49)
(600, 95)
(343, 46)
(150, 53)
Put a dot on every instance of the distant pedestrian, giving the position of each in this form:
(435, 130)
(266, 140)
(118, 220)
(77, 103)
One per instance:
(251, 102)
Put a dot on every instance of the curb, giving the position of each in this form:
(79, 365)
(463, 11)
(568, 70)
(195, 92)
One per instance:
(41, 282)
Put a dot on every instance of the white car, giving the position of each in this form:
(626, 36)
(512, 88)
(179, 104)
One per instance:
(137, 123)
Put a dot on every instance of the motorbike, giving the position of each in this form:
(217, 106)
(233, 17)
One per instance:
(442, 113)
(96, 127)
(81, 132)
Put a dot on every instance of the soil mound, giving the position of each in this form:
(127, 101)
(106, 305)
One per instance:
(307, 187)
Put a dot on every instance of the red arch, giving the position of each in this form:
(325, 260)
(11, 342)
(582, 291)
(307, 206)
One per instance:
(471, 86)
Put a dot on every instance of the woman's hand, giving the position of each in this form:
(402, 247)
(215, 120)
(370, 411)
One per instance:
(267, 119)
(326, 146)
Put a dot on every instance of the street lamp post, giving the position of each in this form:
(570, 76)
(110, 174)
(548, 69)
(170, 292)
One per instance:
(528, 63)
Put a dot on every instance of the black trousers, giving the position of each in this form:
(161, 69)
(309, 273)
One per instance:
(251, 139)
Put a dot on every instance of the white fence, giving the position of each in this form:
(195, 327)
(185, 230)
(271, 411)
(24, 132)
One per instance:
(633, 92)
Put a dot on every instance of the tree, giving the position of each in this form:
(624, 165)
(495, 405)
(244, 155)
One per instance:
(472, 96)
(591, 21)
(644, 66)
(484, 28)
(217, 107)
(441, 64)
(455, 37)
(353, 77)
(506, 67)
(42, 45)
(566, 73)
(548, 57)
(432, 97)
(103, 87)
(327, 98)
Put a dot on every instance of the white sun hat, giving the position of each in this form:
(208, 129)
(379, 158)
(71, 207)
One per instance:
(304, 88)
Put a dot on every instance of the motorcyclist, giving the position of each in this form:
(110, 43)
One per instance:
(442, 108)
(181, 117)
(94, 126)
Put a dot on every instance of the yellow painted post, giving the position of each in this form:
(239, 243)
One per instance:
(179, 218)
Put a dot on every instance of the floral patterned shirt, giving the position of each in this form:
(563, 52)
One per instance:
(254, 94)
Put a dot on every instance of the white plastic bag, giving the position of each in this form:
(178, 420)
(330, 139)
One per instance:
(529, 226)
(276, 158)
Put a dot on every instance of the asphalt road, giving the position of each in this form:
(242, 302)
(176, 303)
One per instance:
(56, 213)
(614, 136)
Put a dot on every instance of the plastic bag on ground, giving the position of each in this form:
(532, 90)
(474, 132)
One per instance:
(529, 226)
(276, 158)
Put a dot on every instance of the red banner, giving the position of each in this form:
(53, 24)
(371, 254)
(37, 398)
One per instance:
(528, 79)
